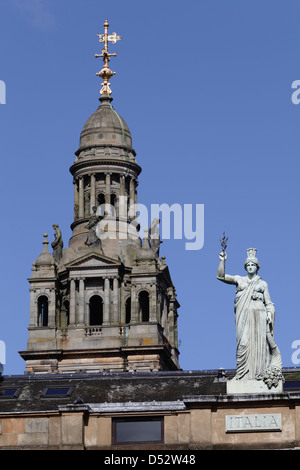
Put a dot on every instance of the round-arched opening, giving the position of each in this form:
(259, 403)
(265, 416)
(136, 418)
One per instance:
(96, 310)
(43, 310)
(128, 311)
(114, 204)
(144, 306)
(101, 203)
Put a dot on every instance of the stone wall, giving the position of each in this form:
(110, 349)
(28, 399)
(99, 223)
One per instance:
(203, 428)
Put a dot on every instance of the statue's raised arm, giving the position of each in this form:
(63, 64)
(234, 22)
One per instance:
(221, 275)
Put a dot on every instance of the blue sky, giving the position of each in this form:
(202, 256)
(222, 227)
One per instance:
(205, 88)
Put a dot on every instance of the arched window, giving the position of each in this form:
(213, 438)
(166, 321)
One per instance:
(43, 311)
(101, 203)
(87, 204)
(96, 310)
(144, 305)
(128, 310)
(113, 203)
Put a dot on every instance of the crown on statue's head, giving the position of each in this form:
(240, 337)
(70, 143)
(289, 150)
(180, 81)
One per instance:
(251, 253)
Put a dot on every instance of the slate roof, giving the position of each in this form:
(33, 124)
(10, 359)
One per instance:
(116, 388)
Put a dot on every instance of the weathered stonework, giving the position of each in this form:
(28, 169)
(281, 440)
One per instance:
(84, 418)
(106, 302)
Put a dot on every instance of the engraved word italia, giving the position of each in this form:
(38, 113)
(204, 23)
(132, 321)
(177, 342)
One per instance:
(253, 423)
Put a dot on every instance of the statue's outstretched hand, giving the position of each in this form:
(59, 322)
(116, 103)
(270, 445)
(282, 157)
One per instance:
(222, 255)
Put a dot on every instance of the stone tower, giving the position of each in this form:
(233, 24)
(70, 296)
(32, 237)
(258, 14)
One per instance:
(106, 302)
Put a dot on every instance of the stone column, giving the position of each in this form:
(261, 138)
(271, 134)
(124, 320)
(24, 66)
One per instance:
(33, 321)
(135, 201)
(72, 304)
(164, 319)
(51, 308)
(81, 302)
(158, 306)
(116, 301)
(122, 305)
(76, 200)
(171, 333)
(107, 192)
(153, 303)
(122, 185)
(106, 301)
(81, 199)
(122, 198)
(134, 305)
(93, 193)
(131, 210)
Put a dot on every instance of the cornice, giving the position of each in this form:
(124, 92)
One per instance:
(80, 165)
(123, 147)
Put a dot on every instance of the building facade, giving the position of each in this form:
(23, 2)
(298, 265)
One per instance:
(152, 411)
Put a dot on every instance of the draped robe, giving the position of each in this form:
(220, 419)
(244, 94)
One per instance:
(254, 313)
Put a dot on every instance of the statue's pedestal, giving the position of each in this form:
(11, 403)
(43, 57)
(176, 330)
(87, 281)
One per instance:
(234, 387)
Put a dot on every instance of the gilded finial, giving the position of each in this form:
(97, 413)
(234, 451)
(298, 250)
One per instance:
(105, 73)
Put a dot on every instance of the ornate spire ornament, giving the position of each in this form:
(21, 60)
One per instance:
(105, 73)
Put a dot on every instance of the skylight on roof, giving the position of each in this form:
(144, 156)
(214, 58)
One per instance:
(9, 392)
(54, 392)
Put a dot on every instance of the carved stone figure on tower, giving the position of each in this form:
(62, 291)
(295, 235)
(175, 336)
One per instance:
(92, 238)
(154, 237)
(57, 244)
(257, 356)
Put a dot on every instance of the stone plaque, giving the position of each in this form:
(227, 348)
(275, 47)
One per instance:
(253, 423)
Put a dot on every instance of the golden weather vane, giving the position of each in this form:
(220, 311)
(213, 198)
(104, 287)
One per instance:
(105, 73)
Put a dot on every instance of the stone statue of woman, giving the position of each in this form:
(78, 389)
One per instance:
(92, 238)
(257, 355)
(154, 237)
(57, 244)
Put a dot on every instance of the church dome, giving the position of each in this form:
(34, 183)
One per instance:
(105, 127)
